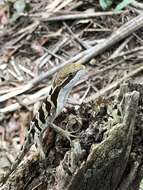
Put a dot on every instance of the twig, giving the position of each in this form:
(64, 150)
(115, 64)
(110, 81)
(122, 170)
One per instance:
(46, 57)
(138, 38)
(101, 71)
(62, 5)
(45, 16)
(81, 43)
(54, 55)
(19, 75)
(125, 53)
(36, 97)
(115, 84)
(22, 33)
(85, 56)
(19, 90)
(74, 6)
(27, 101)
(85, 94)
(13, 74)
(137, 4)
(24, 69)
(94, 42)
(21, 103)
(53, 5)
(121, 33)
(120, 48)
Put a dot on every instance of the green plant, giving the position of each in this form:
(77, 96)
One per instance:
(106, 4)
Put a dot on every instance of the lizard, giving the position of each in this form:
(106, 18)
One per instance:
(50, 108)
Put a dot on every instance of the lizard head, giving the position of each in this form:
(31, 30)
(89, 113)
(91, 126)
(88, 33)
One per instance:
(67, 72)
(63, 83)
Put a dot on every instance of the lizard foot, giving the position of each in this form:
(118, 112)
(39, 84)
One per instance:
(65, 133)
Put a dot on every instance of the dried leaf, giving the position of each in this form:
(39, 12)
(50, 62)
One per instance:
(4, 14)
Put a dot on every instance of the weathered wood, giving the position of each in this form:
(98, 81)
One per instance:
(107, 161)
(106, 155)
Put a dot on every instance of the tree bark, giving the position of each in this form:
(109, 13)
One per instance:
(106, 153)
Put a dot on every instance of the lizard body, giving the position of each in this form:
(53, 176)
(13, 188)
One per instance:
(51, 107)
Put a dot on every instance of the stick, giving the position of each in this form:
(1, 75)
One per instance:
(124, 31)
(45, 16)
(115, 84)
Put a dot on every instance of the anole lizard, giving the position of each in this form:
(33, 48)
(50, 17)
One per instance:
(51, 107)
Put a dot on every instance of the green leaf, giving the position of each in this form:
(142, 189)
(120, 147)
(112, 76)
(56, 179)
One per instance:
(19, 6)
(123, 4)
(105, 4)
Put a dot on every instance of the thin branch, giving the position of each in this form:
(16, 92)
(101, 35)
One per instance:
(45, 16)
(85, 56)
(113, 85)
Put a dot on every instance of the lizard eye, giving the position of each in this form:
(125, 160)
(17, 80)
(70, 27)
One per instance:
(72, 74)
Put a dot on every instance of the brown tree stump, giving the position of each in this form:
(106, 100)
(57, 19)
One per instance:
(106, 154)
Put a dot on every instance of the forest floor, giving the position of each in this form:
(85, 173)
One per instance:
(38, 37)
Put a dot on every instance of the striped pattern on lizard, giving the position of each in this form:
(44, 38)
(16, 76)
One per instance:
(51, 107)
